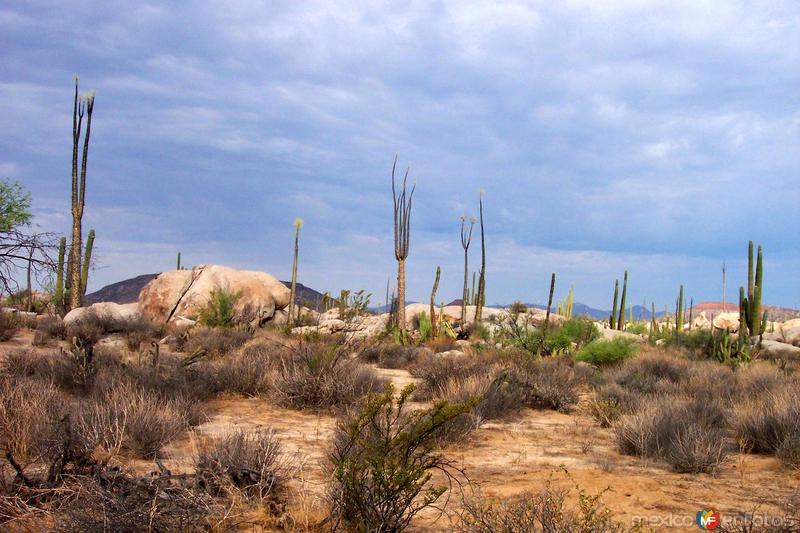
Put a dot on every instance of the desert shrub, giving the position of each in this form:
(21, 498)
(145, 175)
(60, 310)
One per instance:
(250, 462)
(425, 326)
(320, 375)
(49, 328)
(769, 422)
(518, 308)
(383, 459)
(240, 374)
(116, 501)
(696, 341)
(443, 343)
(604, 352)
(390, 355)
(218, 310)
(141, 329)
(544, 511)
(435, 371)
(637, 328)
(689, 434)
(149, 420)
(580, 331)
(215, 342)
(652, 373)
(9, 326)
(29, 415)
(549, 384)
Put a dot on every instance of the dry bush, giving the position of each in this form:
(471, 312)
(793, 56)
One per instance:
(29, 415)
(248, 462)
(149, 421)
(49, 328)
(319, 375)
(549, 384)
(544, 511)
(215, 342)
(770, 423)
(9, 326)
(689, 434)
(436, 371)
(141, 329)
(116, 501)
(390, 355)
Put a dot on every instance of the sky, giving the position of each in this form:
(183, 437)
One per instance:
(657, 137)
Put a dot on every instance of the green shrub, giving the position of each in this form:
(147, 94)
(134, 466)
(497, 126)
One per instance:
(637, 328)
(425, 327)
(697, 341)
(218, 311)
(603, 352)
(579, 331)
(383, 461)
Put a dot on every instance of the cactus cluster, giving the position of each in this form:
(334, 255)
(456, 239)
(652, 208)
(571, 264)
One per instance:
(63, 289)
(564, 308)
(751, 321)
(617, 318)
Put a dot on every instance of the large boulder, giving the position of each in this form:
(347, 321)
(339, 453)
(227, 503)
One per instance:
(185, 293)
(106, 310)
(779, 350)
(729, 321)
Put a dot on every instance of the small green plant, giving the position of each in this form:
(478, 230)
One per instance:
(218, 311)
(383, 461)
(354, 304)
(518, 308)
(425, 327)
(637, 328)
(603, 352)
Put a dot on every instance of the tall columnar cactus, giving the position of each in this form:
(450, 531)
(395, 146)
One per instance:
(466, 239)
(653, 323)
(550, 301)
(742, 314)
(82, 105)
(434, 325)
(178, 267)
(472, 299)
(86, 263)
(621, 321)
(402, 232)
(750, 306)
(570, 298)
(298, 223)
(59, 291)
(612, 322)
(679, 311)
(691, 308)
(481, 298)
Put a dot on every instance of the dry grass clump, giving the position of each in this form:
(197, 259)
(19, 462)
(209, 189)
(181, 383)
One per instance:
(9, 326)
(391, 355)
(550, 384)
(320, 375)
(248, 462)
(770, 423)
(29, 415)
(215, 342)
(543, 511)
(689, 434)
(49, 328)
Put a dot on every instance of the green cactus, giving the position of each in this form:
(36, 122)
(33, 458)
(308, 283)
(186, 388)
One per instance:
(434, 328)
(621, 321)
(59, 291)
(179, 261)
(750, 316)
(679, 311)
(86, 263)
(653, 323)
(612, 320)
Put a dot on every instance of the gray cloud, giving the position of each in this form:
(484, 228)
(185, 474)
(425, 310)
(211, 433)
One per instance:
(658, 137)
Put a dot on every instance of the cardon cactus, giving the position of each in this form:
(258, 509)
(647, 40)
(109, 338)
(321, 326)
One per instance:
(751, 320)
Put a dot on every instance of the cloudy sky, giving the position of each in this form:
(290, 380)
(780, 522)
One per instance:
(653, 136)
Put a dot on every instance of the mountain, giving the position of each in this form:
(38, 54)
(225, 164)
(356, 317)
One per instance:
(306, 296)
(122, 292)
